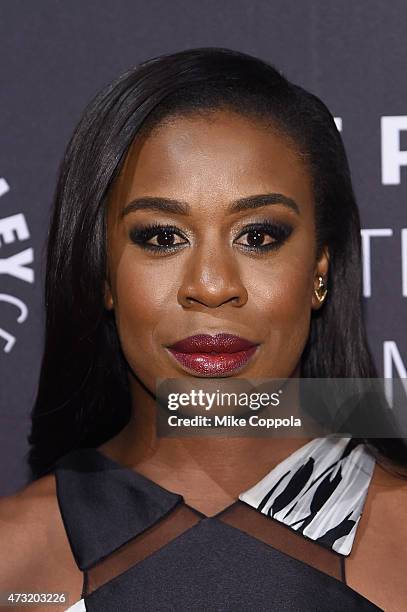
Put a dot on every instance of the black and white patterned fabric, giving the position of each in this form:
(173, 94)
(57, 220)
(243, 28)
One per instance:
(319, 491)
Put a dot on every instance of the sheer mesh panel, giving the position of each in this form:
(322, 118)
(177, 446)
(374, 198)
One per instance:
(169, 527)
(239, 515)
(280, 536)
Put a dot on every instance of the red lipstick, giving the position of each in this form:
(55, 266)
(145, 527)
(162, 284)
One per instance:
(213, 355)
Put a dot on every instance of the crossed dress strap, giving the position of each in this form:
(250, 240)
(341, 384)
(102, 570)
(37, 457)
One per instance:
(119, 522)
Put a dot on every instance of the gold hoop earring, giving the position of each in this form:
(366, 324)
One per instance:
(321, 290)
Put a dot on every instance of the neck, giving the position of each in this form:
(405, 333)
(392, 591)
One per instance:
(192, 466)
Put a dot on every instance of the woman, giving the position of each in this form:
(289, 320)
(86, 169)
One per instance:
(204, 204)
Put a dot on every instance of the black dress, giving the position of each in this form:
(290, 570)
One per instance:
(142, 548)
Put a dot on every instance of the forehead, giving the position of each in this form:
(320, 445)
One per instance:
(217, 156)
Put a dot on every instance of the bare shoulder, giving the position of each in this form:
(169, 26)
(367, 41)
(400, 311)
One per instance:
(389, 497)
(25, 518)
(376, 566)
(27, 502)
(35, 553)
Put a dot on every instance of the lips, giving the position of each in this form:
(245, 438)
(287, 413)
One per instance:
(212, 355)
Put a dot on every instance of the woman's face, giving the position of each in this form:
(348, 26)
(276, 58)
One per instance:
(233, 262)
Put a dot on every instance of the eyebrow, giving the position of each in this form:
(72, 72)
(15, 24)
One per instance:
(182, 208)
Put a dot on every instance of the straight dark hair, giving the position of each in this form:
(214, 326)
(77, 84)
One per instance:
(83, 394)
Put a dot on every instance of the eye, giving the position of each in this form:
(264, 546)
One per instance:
(265, 236)
(163, 239)
(163, 235)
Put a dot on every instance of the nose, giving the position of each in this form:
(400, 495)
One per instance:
(212, 279)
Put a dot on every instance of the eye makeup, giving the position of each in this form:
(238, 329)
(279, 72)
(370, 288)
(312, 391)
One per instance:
(279, 232)
(140, 235)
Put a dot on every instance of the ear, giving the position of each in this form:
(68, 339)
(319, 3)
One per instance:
(108, 298)
(321, 269)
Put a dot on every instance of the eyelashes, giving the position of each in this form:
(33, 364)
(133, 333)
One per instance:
(257, 233)
(141, 235)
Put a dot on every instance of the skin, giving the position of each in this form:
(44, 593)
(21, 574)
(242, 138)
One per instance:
(210, 285)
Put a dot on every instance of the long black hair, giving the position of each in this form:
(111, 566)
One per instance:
(83, 394)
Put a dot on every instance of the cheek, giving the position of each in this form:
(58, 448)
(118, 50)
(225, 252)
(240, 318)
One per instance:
(143, 298)
(282, 293)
